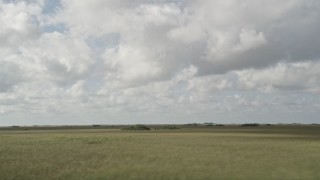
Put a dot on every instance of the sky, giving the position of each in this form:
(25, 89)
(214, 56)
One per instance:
(159, 61)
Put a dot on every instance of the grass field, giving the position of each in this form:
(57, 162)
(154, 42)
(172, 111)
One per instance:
(275, 152)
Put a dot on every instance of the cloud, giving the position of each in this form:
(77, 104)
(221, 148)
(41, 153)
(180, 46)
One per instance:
(19, 23)
(168, 59)
(217, 37)
(283, 76)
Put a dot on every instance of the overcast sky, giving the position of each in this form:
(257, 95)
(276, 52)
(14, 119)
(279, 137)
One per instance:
(159, 61)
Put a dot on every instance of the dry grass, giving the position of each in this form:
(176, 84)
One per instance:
(179, 154)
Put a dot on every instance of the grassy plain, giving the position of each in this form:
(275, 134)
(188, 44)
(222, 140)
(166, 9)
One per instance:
(230, 152)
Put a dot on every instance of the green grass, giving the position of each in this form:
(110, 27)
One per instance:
(199, 153)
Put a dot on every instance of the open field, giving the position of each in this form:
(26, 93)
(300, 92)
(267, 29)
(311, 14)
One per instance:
(228, 152)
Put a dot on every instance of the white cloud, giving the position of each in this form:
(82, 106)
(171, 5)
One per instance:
(170, 59)
(19, 23)
(249, 39)
(131, 64)
(284, 76)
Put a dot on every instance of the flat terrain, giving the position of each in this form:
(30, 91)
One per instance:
(227, 152)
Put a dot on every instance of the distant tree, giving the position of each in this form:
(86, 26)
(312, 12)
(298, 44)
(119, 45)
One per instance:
(170, 127)
(137, 127)
(250, 125)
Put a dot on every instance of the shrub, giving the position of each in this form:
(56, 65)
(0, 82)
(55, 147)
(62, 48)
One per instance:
(170, 127)
(137, 127)
(250, 125)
